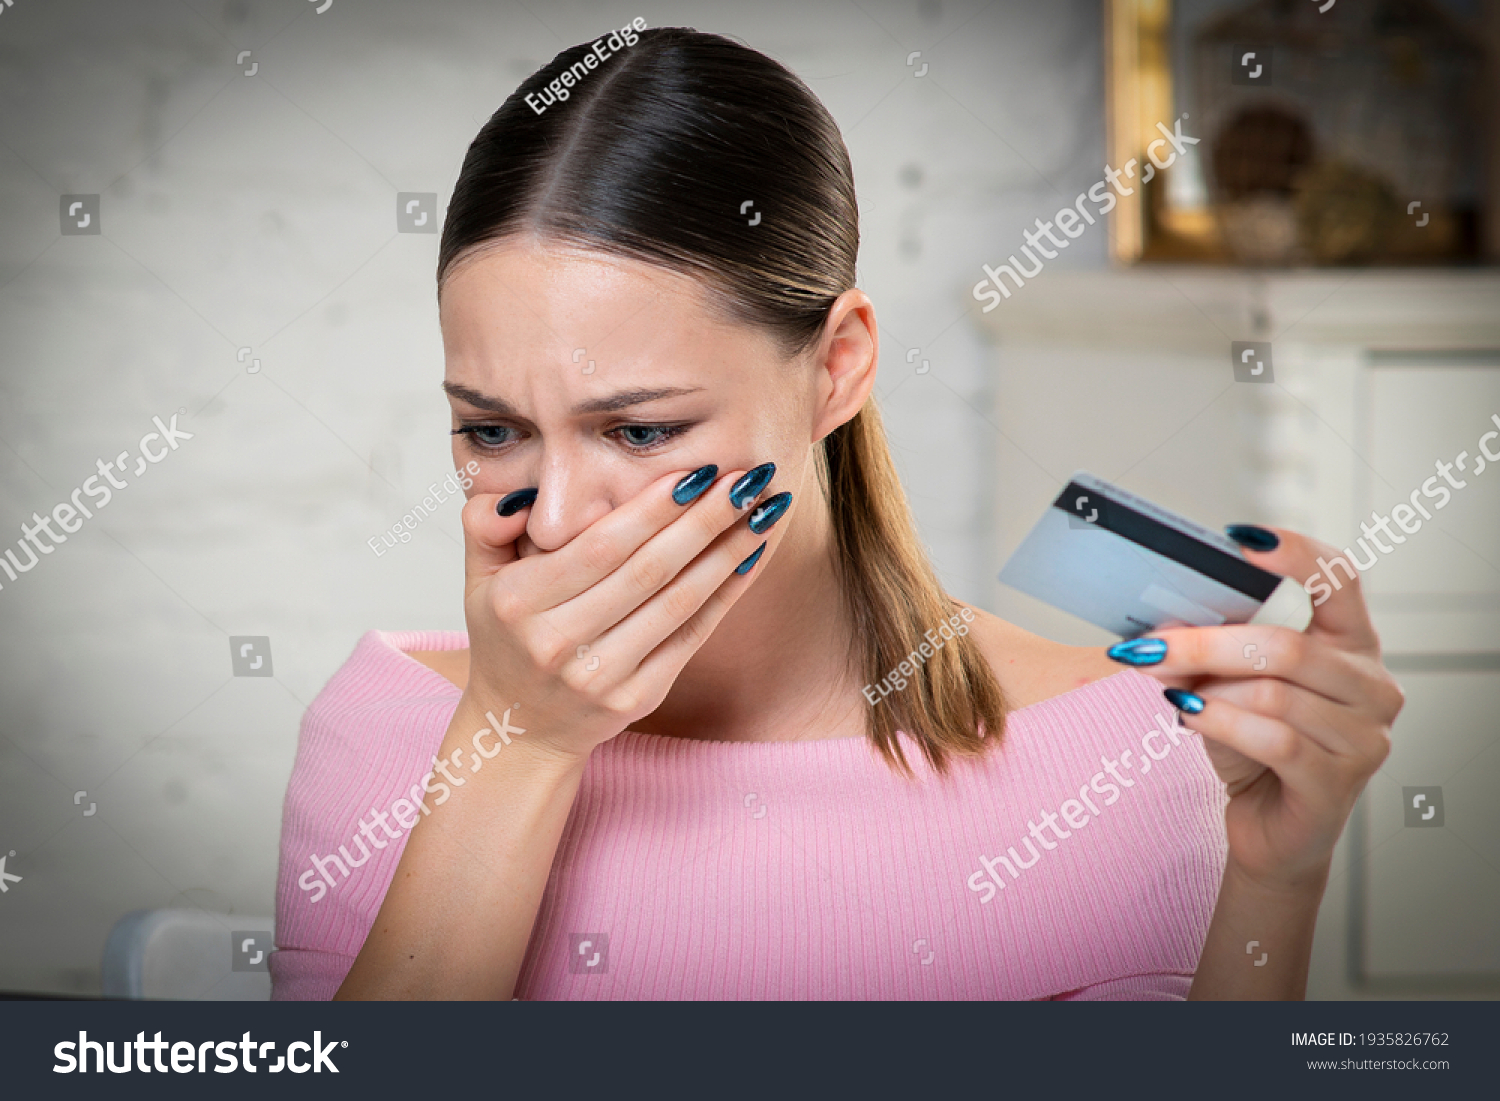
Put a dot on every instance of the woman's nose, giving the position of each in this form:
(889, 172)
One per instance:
(571, 495)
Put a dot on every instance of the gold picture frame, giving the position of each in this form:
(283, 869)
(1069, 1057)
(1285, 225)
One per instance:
(1455, 77)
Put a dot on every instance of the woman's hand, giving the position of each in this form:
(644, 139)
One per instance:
(587, 639)
(590, 637)
(1294, 723)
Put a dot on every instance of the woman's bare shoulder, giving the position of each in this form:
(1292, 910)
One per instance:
(1031, 668)
(452, 664)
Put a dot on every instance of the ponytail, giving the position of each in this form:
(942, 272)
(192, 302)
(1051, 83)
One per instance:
(953, 703)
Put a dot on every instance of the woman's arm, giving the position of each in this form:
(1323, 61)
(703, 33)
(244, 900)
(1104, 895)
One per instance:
(457, 918)
(1259, 944)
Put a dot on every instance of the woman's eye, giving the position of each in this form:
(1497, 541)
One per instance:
(487, 435)
(636, 437)
(643, 436)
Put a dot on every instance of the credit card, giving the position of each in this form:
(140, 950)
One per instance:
(1118, 561)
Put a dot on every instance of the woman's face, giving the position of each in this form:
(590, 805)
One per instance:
(589, 376)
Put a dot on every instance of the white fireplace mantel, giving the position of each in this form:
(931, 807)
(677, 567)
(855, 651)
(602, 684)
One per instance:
(1198, 309)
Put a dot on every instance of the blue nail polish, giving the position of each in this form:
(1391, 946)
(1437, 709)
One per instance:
(1248, 535)
(1139, 651)
(748, 488)
(769, 512)
(513, 503)
(692, 487)
(1184, 701)
(744, 567)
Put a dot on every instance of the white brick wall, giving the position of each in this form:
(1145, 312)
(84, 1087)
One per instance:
(258, 212)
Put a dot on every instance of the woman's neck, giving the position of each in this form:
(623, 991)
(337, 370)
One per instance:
(777, 667)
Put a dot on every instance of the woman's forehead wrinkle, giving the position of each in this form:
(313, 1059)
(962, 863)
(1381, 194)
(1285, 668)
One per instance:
(654, 329)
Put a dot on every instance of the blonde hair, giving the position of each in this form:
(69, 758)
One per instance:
(953, 703)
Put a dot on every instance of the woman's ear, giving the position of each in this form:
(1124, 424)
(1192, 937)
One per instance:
(846, 361)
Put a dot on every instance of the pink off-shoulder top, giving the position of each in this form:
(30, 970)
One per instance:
(1080, 859)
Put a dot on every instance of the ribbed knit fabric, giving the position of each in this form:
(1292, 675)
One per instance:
(789, 870)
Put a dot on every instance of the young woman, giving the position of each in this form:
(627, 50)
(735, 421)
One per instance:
(714, 730)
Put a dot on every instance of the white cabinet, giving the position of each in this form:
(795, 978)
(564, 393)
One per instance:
(1378, 376)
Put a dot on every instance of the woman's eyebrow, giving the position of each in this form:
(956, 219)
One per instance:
(478, 400)
(623, 399)
(610, 403)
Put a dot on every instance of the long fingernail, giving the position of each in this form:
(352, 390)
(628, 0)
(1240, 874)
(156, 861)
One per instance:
(748, 488)
(1248, 535)
(1139, 651)
(692, 487)
(1184, 701)
(513, 503)
(769, 512)
(744, 567)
